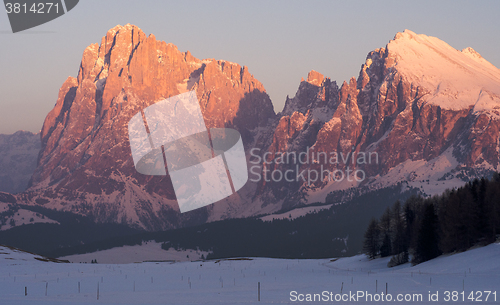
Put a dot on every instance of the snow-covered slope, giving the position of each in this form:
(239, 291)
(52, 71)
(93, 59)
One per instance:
(19, 217)
(454, 79)
(14, 256)
(149, 251)
(478, 260)
(296, 213)
(237, 281)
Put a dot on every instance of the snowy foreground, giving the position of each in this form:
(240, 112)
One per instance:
(236, 281)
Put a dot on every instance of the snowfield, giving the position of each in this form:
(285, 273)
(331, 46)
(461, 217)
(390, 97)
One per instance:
(236, 281)
(23, 217)
(454, 79)
(148, 251)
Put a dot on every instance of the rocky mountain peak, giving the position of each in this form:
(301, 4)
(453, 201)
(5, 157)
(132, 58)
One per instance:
(315, 78)
(411, 105)
(470, 51)
(316, 92)
(441, 71)
(406, 34)
(85, 158)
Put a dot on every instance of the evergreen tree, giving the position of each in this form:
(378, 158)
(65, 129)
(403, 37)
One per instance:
(427, 240)
(467, 218)
(492, 204)
(410, 217)
(450, 227)
(399, 243)
(386, 249)
(386, 232)
(372, 236)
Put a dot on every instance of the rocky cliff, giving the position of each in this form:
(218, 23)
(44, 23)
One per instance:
(85, 164)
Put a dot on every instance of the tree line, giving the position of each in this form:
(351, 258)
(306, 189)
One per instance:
(424, 228)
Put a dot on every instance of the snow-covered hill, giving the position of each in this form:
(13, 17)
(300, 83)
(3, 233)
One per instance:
(13, 256)
(453, 79)
(236, 281)
(148, 251)
(12, 216)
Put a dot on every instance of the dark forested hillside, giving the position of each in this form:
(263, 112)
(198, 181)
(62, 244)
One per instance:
(337, 231)
(425, 228)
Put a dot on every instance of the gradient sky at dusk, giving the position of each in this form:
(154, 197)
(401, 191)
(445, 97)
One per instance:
(280, 41)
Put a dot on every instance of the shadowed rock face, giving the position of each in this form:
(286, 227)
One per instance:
(401, 107)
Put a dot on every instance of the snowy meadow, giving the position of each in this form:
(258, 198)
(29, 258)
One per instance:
(464, 278)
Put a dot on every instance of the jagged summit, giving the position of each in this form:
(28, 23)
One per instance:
(452, 79)
(471, 52)
(406, 34)
(317, 92)
(315, 78)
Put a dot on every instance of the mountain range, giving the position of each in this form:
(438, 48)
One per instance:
(18, 160)
(423, 114)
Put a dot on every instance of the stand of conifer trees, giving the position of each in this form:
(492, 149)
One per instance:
(427, 227)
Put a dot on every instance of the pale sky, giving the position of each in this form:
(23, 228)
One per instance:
(279, 41)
